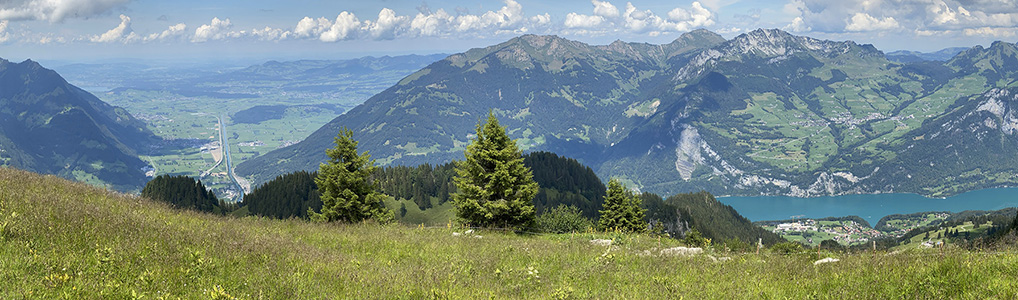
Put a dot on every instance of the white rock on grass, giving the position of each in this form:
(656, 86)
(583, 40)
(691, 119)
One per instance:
(471, 231)
(456, 234)
(826, 260)
(681, 251)
(601, 242)
(719, 259)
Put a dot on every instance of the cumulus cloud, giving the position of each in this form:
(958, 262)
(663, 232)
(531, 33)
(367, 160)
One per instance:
(866, 22)
(431, 24)
(605, 9)
(171, 32)
(215, 30)
(991, 32)
(55, 10)
(634, 20)
(122, 33)
(797, 25)
(696, 16)
(309, 27)
(541, 20)
(925, 17)
(574, 20)
(508, 16)
(270, 34)
(345, 27)
(387, 25)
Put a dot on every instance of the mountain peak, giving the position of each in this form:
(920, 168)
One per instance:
(770, 43)
(533, 40)
(698, 38)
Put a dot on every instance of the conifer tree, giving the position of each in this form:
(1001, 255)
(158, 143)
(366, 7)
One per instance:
(495, 188)
(621, 210)
(346, 193)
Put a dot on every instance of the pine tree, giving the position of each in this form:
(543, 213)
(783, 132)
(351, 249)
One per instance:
(635, 214)
(346, 193)
(621, 210)
(495, 188)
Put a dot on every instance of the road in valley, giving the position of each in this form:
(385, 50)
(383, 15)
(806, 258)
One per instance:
(228, 159)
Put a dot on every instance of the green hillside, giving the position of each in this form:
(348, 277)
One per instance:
(766, 112)
(60, 239)
(50, 126)
(555, 94)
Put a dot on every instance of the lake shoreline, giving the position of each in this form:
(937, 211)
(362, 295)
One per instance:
(870, 207)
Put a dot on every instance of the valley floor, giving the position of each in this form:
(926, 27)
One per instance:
(60, 239)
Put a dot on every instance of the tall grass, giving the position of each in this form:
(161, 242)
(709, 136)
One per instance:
(68, 240)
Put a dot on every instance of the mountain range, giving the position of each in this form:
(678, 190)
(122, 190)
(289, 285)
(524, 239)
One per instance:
(50, 126)
(766, 112)
(906, 56)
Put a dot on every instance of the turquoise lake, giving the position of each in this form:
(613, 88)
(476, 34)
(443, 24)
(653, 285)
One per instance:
(870, 207)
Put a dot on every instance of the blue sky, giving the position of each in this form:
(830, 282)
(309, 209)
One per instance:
(88, 30)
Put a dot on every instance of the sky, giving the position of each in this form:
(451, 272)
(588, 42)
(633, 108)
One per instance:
(98, 30)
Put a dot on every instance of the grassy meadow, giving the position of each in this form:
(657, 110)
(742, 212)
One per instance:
(64, 240)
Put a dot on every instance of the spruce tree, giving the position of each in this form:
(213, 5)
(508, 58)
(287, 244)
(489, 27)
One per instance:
(635, 214)
(495, 188)
(346, 193)
(621, 210)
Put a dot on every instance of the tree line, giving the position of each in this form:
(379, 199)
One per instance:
(185, 193)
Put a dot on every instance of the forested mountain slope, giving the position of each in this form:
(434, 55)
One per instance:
(766, 112)
(50, 126)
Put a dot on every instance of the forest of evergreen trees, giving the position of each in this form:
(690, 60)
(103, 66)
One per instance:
(715, 220)
(565, 181)
(287, 196)
(418, 184)
(562, 181)
(182, 192)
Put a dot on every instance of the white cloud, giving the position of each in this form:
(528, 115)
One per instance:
(922, 17)
(696, 16)
(50, 39)
(866, 22)
(508, 16)
(4, 36)
(431, 24)
(641, 20)
(387, 26)
(309, 27)
(270, 34)
(996, 32)
(171, 32)
(635, 20)
(55, 10)
(605, 9)
(467, 23)
(797, 25)
(216, 30)
(345, 27)
(574, 20)
(541, 20)
(121, 33)
(507, 19)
